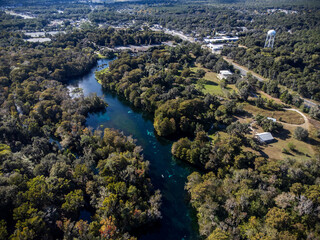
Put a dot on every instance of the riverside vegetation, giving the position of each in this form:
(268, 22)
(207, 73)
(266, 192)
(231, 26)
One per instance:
(45, 185)
(239, 192)
(243, 195)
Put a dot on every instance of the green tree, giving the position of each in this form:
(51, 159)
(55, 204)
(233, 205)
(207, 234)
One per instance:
(73, 201)
(278, 218)
(3, 230)
(165, 127)
(218, 234)
(301, 133)
(38, 192)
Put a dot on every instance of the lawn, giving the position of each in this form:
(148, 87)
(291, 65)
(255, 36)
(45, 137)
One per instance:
(212, 88)
(212, 83)
(215, 135)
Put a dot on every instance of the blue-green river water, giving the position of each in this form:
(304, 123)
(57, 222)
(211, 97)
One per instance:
(178, 220)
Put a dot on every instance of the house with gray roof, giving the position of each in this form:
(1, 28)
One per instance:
(264, 137)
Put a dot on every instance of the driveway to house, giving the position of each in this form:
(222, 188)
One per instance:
(306, 120)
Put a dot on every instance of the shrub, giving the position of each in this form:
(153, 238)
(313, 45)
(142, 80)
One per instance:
(285, 151)
(291, 146)
(301, 133)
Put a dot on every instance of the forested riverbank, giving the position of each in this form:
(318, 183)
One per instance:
(244, 194)
(165, 147)
(45, 186)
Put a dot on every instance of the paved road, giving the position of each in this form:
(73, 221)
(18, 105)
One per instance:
(243, 70)
(175, 34)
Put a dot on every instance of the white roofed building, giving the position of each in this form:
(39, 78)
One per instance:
(223, 74)
(272, 119)
(215, 47)
(264, 137)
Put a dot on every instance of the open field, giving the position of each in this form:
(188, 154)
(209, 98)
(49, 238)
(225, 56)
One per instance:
(303, 150)
(276, 150)
(290, 117)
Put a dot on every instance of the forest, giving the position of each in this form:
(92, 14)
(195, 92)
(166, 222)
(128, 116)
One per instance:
(160, 82)
(243, 195)
(52, 166)
(54, 169)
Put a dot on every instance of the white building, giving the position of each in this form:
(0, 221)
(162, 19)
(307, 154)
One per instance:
(221, 39)
(272, 119)
(215, 47)
(264, 137)
(223, 74)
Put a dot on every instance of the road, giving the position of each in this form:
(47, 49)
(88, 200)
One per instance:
(175, 34)
(243, 70)
(306, 120)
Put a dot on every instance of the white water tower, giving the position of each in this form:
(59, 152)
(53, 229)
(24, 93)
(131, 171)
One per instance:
(270, 39)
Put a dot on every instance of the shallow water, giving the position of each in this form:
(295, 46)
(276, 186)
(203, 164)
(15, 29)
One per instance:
(166, 174)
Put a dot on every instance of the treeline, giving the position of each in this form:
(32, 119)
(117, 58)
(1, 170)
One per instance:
(11, 23)
(221, 154)
(50, 62)
(110, 37)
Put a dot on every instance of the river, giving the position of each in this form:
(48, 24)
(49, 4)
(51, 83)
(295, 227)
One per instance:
(178, 219)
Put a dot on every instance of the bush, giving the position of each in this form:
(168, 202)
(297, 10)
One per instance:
(301, 133)
(291, 146)
(315, 112)
(285, 151)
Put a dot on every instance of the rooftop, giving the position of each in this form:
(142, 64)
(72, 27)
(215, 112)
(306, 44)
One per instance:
(272, 119)
(225, 72)
(265, 136)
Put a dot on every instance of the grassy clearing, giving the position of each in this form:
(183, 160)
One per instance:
(302, 150)
(290, 117)
(215, 135)
(100, 56)
(212, 88)
(313, 133)
(212, 83)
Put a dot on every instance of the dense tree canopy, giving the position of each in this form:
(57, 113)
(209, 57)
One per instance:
(52, 167)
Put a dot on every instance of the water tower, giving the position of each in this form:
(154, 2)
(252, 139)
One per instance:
(270, 39)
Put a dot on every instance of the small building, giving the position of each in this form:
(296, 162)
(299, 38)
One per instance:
(264, 137)
(215, 47)
(223, 74)
(272, 119)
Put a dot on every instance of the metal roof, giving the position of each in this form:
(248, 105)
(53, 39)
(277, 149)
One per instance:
(272, 119)
(225, 72)
(266, 136)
